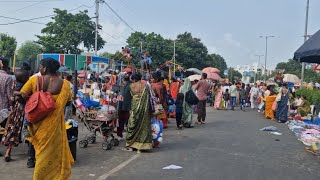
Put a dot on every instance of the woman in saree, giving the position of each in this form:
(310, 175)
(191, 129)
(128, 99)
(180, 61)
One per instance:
(160, 92)
(218, 97)
(49, 136)
(186, 107)
(269, 113)
(139, 135)
(304, 108)
(282, 106)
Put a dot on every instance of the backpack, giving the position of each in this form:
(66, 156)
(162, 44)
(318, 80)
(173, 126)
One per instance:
(191, 98)
(40, 104)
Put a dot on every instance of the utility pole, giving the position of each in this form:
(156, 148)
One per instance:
(141, 61)
(174, 56)
(305, 38)
(258, 77)
(97, 27)
(266, 57)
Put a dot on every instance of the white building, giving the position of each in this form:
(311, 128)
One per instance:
(249, 71)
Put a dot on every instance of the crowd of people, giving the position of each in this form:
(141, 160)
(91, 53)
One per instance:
(276, 101)
(139, 100)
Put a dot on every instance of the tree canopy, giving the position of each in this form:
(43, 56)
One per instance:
(8, 45)
(190, 51)
(28, 52)
(67, 31)
(294, 67)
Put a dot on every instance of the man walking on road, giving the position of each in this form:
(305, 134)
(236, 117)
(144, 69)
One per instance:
(254, 94)
(202, 88)
(233, 93)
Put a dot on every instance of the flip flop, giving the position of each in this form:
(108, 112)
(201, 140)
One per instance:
(310, 150)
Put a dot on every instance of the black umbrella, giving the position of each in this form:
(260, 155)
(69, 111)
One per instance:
(310, 51)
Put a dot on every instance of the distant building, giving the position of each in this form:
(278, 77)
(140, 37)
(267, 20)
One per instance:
(250, 71)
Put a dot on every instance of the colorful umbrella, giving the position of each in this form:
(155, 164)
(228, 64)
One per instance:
(213, 76)
(127, 70)
(194, 77)
(211, 70)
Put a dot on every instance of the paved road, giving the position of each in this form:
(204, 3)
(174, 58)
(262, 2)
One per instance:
(230, 146)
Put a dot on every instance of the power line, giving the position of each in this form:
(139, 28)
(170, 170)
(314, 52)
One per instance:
(5, 17)
(27, 20)
(119, 16)
(31, 5)
(24, 1)
(30, 20)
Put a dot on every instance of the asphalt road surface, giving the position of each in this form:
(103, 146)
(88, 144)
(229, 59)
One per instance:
(228, 147)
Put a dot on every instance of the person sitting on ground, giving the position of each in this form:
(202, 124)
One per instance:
(297, 102)
(304, 108)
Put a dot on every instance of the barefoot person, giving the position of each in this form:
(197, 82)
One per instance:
(139, 135)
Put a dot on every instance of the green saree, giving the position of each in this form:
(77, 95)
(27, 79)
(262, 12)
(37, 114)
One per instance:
(187, 111)
(139, 125)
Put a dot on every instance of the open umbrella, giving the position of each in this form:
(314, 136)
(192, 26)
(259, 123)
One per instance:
(194, 70)
(194, 77)
(310, 51)
(63, 69)
(213, 76)
(291, 78)
(211, 70)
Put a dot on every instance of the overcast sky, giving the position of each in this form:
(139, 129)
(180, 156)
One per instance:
(230, 28)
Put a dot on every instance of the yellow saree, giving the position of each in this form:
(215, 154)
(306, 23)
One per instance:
(49, 137)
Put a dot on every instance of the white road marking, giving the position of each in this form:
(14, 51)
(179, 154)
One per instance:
(119, 167)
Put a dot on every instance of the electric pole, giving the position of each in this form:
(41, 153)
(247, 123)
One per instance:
(174, 56)
(97, 27)
(305, 38)
(258, 74)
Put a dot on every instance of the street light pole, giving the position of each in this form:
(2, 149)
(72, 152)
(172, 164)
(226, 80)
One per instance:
(266, 56)
(259, 56)
(305, 38)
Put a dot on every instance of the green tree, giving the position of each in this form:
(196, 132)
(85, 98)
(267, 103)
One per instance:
(294, 67)
(28, 52)
(216, 61)
(290, 67)
(190, 51)
(159, 49)
(234, 74)
(67, 31)
(8, 45)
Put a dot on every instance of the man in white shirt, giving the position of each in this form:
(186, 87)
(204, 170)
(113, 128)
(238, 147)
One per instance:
(254, 94)
(233, 93)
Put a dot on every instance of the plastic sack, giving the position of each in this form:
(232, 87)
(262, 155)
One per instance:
(88, 103)
(157, 129)
(261, 106)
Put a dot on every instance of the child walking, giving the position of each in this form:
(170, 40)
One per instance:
(179, 103)
(226, 98)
